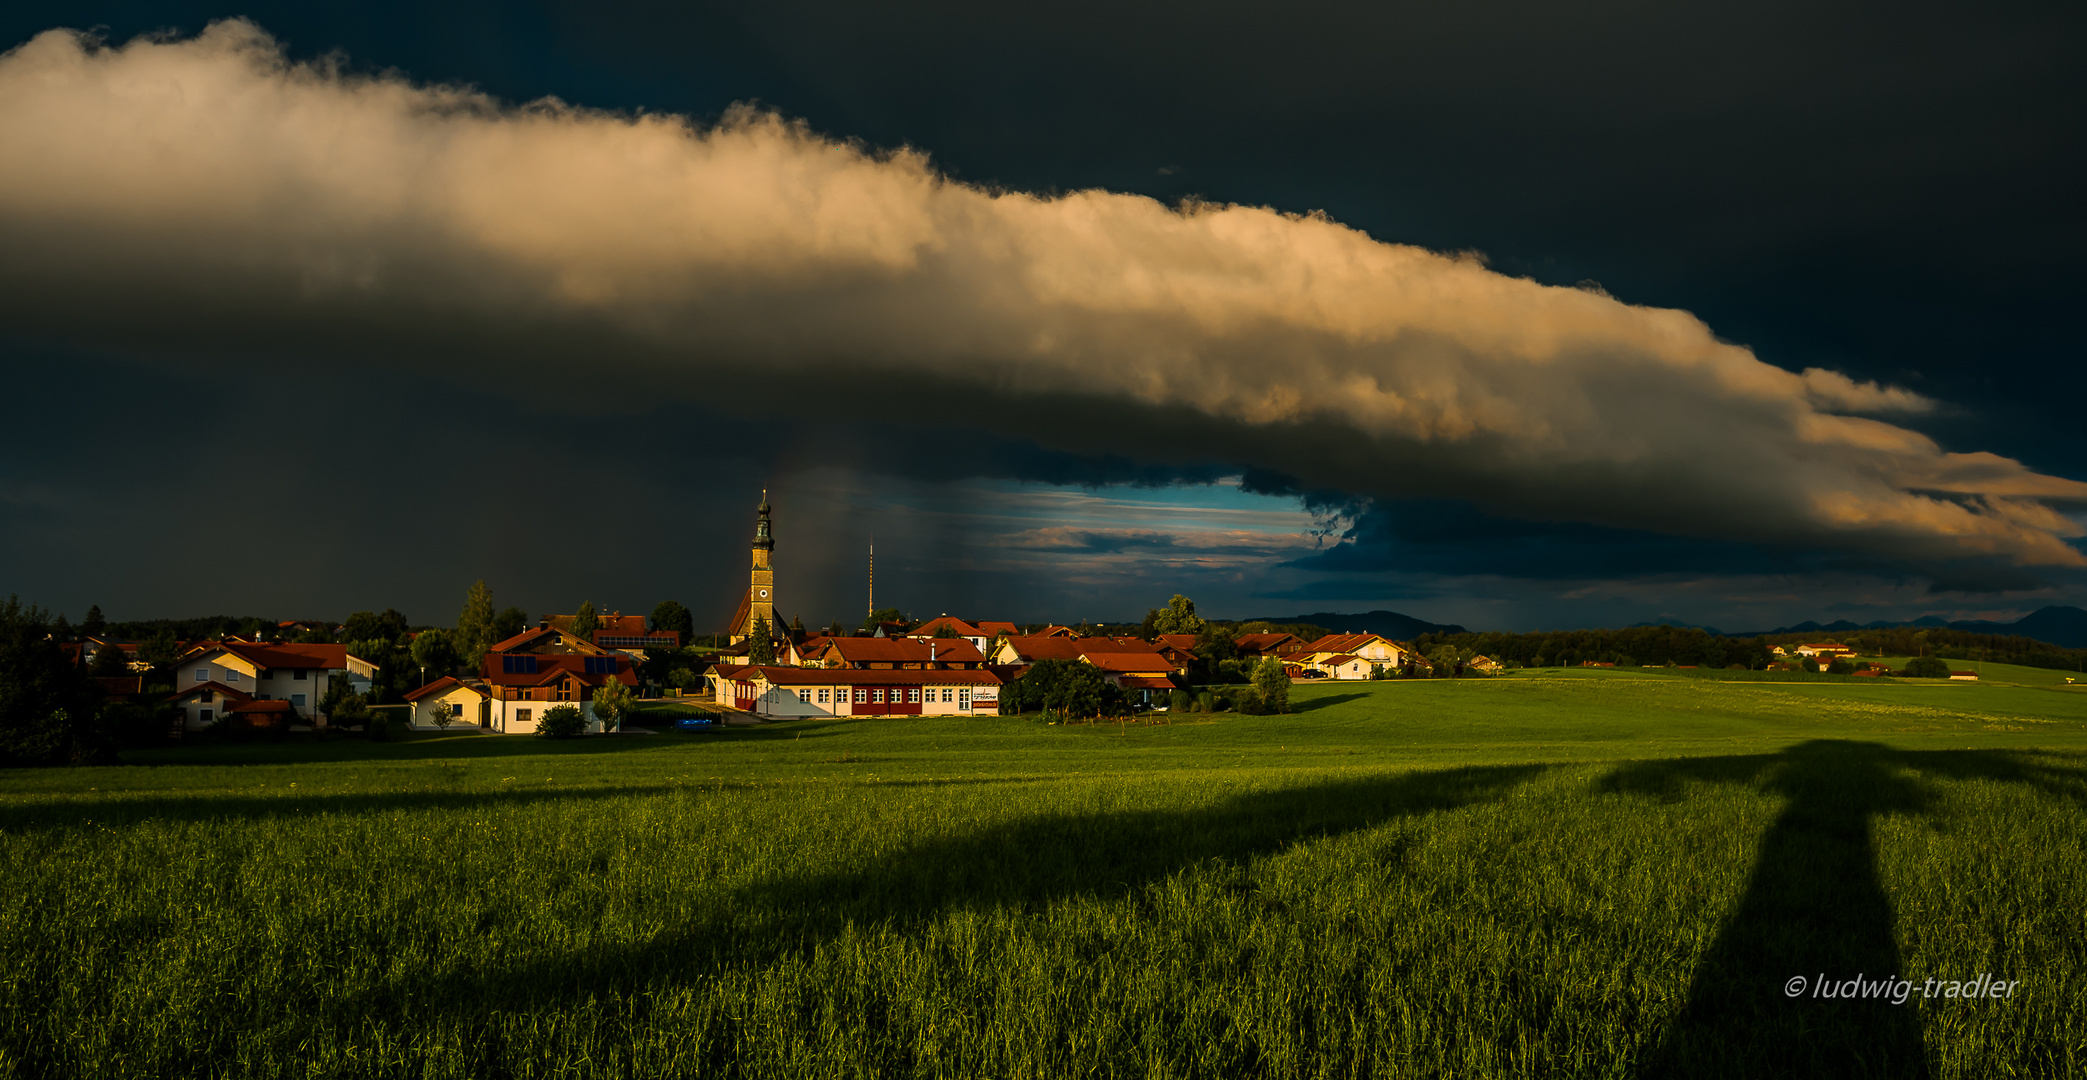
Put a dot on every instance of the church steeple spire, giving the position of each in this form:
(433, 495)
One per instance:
(764, 536)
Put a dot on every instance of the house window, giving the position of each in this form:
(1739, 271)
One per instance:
(297, 700)
(231, 676)
(948, 695)
(861, 695)
(822, 696)
(877, 697)
(522, 715)
(964, 698)
(456, 708)
(202, 674)
(913, 696)
(298, 675)
(207, 696)
(805, 696)
(204, 716)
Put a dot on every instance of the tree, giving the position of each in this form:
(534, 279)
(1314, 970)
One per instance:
(475, 624)
(508, 623)
(884, 615)
(109, 662)
(1066, 687)
(370, 626)
(681, 678)
(585, 622)
(1273, 684)
(47, 705)
(160, 649)
(760, 645)
(562, 722)
(1179, 617)
(94, 625)
(1841, 665)
(1926, 667)
(614, 704)
(670, 615)
(434, 651)
(1214, 646)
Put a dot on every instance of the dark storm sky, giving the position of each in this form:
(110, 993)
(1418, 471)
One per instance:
(1886, 191)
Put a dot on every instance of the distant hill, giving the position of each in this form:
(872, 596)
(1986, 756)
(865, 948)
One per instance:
(1388, 624)
(1664, 621)
(2065, 627)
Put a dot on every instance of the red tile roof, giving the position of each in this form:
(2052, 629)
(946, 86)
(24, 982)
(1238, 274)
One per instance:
(1184, 642)
(1344, 643)
(217, 687)
(551, 667)
(1266, 643)
(439, 685)
(997, 629)
(797, 676)
(1117, 661)
(1045, 648)
(299, 655)
(956, 626)
(1146, 682)
(857, 650)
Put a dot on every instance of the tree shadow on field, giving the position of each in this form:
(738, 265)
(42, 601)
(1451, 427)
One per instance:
(1305, 705)
(1026, 865)
(1815, 908)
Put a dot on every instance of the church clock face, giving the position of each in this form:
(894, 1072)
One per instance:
(763, 593)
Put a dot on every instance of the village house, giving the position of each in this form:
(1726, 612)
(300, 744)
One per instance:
(946, 628)
(214, 678)
(520, 679)
(1337, 655)
(793, 692)
(624, 633)
(1256, 646)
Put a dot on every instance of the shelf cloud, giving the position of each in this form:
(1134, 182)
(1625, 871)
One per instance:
(208, 193)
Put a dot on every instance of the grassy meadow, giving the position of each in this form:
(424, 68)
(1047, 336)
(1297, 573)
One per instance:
(1583, 873)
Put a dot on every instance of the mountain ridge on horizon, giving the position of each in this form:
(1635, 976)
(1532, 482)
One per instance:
(2061, 625)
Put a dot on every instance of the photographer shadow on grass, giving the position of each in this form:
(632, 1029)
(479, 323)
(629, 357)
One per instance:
(1026, 865)
(1814, 906)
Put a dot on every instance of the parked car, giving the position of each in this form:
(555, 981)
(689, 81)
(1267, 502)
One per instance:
(699, 722)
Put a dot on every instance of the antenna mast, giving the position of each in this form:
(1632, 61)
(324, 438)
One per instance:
(873, 575)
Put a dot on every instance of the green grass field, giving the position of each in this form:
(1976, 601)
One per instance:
(1584, 873)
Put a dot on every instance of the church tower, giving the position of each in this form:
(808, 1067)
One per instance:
(759, 599)
(761, 593)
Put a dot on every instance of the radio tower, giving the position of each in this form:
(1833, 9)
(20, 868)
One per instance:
(873, 576)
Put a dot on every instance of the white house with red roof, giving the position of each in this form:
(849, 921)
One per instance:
(214, 676)
(1348, 656)
(522, 678)
(795, 692)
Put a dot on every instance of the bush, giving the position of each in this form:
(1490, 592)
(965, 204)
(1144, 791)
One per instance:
(1842, 666)
(1926, 667)
(1180, 701)
(614, 704)
(562, 722)
(1272, 685)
